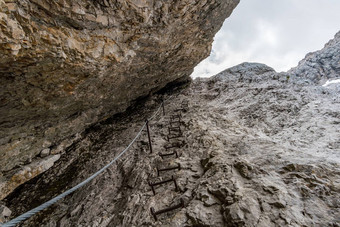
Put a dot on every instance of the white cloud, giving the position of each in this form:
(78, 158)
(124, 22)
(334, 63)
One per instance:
(268, 32)
(276, 33)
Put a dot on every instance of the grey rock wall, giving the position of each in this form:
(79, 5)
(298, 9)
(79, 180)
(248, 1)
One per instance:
(259, 148)
(321, 65)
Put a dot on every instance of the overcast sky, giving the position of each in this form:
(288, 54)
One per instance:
(278, 33)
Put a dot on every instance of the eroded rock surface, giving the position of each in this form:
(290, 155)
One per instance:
(65, 65)
(260, 148)
(321, 65)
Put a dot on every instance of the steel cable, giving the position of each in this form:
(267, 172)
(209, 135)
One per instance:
(43, 206)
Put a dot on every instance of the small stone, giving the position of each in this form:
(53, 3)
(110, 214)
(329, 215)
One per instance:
(45, 152)
(244, 169)
(12, 6)
(102, 19)
(13, 46)
(76, 210)
(46, 144)
(5, 212)
(78, 10)
(279, 204)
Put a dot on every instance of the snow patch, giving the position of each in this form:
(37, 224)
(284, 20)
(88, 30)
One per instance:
(329, 82)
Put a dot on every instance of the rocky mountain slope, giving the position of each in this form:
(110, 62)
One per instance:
(65, 65)
(259, 148)
(321, 65)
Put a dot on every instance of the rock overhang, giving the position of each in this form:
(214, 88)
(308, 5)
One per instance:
(68, 64)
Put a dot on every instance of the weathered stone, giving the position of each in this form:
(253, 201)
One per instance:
(278, 200)
(244, 213)
(5, 213)
(207, 198)
(244, 169)
(45, 152)
(26, 173)
(201, 215)
(315, 68)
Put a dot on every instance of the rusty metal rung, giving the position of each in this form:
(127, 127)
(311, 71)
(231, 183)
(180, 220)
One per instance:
(173, 145)
(175, 131)
(163, 182)
(168, 154)
(155, 213)
(168, 168)
(175, 128)
(148, 131)
(169, 137)
(174, 135)
(175, 116)
(181, 109)
(175, 122)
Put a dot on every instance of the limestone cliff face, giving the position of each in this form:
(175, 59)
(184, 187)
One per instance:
(259, 148)
(321, 65)
(67, 64)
